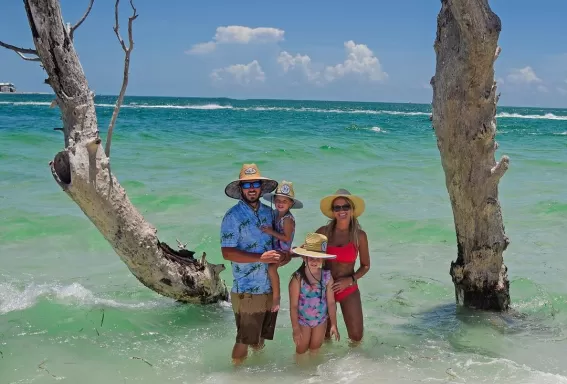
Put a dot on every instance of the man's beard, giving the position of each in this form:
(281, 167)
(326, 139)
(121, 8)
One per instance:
(248, 200)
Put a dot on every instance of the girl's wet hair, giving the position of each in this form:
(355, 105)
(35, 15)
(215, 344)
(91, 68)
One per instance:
(300, 272)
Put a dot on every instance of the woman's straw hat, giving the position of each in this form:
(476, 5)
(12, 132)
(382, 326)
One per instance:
(315, 246)
(327, 202)
(249, 172)
(285, 189)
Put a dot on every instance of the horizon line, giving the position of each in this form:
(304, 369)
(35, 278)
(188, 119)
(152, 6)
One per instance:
(274, 99)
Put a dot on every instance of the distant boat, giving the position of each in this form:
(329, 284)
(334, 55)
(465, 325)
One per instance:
(7, 88)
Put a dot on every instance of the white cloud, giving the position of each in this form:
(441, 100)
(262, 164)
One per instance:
(499, 81)
(360, 61)
(524, 75)
(241, 74)
(203, 48)
(298, 62)
(236, 34)
(562, 91)
(542, 88)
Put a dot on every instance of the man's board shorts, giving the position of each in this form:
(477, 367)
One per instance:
(254, 319)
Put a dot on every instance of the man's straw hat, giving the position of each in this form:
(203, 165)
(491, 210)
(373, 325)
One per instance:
(249, 172)
(285, 189)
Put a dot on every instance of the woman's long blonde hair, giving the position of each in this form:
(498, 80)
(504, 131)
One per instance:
(354, 225)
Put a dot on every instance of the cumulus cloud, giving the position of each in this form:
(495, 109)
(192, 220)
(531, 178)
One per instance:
(524, 75)
(360, 61)
(542, 88)
(236, 34)
(241, 74)
(298, 62)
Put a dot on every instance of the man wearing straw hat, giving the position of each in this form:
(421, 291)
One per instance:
(250, 250)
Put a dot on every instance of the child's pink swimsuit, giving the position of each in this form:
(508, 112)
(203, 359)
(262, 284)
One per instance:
(312, 307)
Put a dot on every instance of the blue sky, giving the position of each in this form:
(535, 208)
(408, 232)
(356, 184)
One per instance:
(331, 50)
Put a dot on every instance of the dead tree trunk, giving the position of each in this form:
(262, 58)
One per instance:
(82, 170)
(464, 110)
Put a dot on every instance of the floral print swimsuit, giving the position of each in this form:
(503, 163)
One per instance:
(312, 306)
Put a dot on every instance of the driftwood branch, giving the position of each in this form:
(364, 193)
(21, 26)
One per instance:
(127, 52)
(28, 58)
(78, 24)
(28, 51)
(464, 119)
(500, 168)
(81, 170)
(21, 51)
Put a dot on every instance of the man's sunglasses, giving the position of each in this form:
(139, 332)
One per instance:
(338, 208)
(248, 185)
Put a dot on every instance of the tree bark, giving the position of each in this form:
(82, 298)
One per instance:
(464, 120)
(82, 170)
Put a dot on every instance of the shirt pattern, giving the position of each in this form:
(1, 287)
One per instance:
(240, 228)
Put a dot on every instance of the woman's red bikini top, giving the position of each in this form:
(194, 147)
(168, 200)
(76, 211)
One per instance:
(345, 254)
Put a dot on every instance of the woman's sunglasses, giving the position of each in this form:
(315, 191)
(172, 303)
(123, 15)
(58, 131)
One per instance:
(248, 185)
(338, 208)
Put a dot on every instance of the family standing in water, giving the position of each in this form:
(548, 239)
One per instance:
(258, 240)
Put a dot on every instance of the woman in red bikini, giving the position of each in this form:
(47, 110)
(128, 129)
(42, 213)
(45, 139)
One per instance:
(347, 240)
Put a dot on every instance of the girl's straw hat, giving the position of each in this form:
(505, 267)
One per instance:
(285, 189)
(249, 172)
(327, 202)
(315, 246)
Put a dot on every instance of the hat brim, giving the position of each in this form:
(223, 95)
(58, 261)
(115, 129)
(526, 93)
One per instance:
(315, 255)
(233, 190)
(327, 201)
(296, 203)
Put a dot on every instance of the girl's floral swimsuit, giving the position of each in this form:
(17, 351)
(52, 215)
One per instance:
(312, 307)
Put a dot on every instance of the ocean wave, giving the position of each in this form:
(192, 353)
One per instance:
(214, 106)
(547, 116)
(15, 299)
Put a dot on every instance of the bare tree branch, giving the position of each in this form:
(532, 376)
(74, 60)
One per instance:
(28, 58)
(29, 51)
(127, 51)
(21, 51)
(74, 27)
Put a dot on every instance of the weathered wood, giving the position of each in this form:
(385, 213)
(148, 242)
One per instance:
(464, 120)
(83, 172)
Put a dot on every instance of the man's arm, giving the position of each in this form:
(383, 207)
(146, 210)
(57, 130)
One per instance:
(238, 256)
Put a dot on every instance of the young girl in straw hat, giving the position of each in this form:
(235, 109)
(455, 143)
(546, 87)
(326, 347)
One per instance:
(283, 232)
(312, 303)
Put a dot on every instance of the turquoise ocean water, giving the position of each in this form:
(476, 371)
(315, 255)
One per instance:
(71, 312)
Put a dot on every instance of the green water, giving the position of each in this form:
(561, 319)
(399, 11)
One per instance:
(70, 310)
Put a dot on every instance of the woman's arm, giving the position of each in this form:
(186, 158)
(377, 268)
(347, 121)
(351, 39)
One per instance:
(364, 256)
(331, 303)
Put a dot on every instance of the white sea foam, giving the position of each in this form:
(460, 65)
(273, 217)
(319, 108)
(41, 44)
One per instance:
(17, 299)
(213, 106)
(547, 116)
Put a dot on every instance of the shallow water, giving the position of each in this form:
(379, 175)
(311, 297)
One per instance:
(69, 306)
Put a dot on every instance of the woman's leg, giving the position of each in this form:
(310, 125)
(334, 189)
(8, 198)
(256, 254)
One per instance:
(317, 337)
(351, 307)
